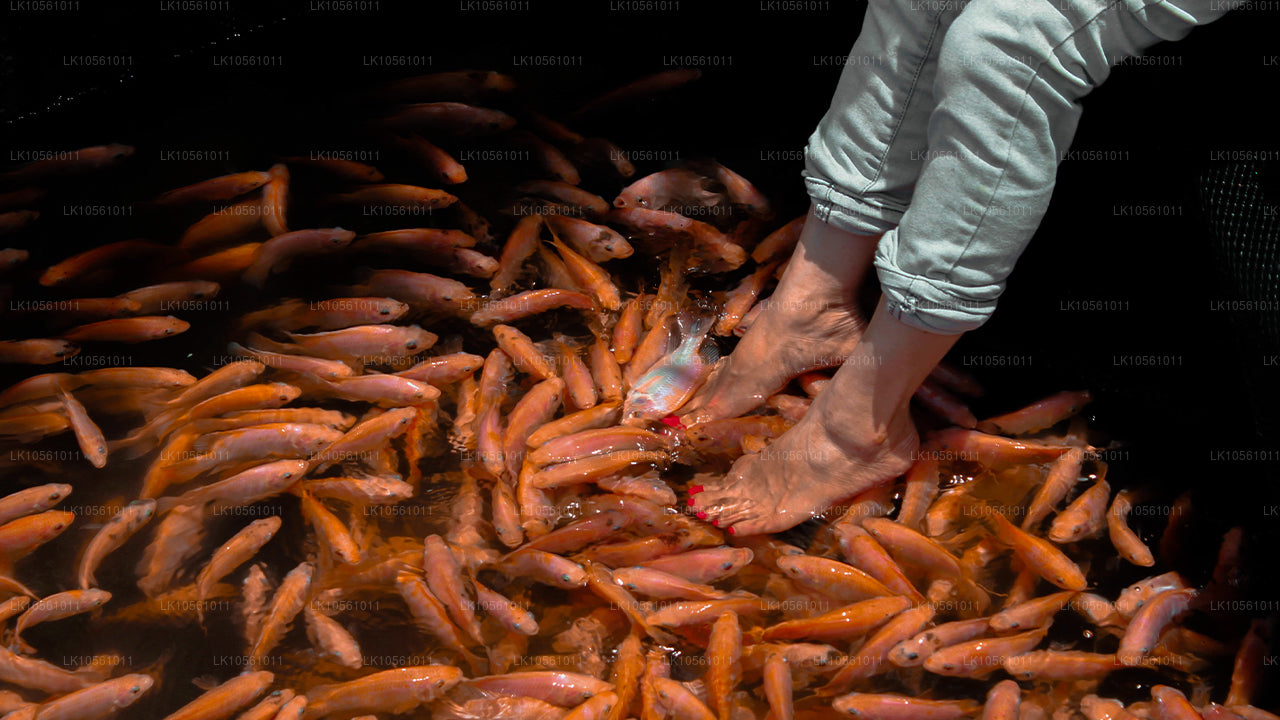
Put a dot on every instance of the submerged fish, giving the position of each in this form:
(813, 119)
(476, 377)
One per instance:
(671, 381)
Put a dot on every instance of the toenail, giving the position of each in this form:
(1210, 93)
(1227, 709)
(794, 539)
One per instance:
(701, 515)
(695, 489)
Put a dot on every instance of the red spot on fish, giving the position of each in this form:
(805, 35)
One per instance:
(730, 531)
(695, 489)
(701, 515)
(673, 421)
(716, 522)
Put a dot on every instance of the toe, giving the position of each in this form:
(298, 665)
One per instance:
(737, 512)
(746, 527)
(727, 508)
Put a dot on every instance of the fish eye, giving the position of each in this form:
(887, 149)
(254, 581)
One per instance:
(288, 475)
(411, 344)
(135, 689)
(384, 311)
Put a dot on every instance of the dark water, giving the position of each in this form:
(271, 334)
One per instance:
(1190, 424)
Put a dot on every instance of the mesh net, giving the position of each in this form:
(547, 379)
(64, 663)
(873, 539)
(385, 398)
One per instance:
(1240, 202)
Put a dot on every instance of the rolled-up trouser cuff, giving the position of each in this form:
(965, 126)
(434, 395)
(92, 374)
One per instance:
(932, 305)
(860, 216)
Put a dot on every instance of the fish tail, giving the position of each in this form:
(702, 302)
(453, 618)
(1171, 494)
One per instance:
(659, 635)
(691, 325)
(8, 582)
(479, 666)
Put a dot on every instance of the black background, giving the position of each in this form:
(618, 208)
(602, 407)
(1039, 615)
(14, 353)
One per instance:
(1163, 122)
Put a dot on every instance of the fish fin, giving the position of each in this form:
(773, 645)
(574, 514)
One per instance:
(661, 636)
(709, 353)
(201, 445)
(205, 682)
(693, 326)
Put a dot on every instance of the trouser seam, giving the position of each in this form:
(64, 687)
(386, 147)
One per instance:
(1017, 122)
(901, 118)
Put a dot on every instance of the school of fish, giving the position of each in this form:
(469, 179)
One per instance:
(455, 436)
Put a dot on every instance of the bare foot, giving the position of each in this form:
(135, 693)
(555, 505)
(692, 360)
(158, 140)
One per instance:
(788, 339)
(803, 474)
(810, 322)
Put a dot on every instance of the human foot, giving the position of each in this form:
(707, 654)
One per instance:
(810, 322)
(787, 340)
(803, 474)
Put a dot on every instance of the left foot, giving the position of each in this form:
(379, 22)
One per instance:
(803, 474)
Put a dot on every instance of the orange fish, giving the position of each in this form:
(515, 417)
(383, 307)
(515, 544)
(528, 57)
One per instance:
(533, 410)
(520, 246)
(874, 653)
(21, 536)
(1124, 539)
(236, 551)
(1085, 517)
(155, 299)
(980, 658)
(1061, 665)
(1039, 415)
(223, 187)
(588, 275)
(332, 533)
(285, 605)
(453, 118)
(641, 88)
(128, 330)
(223, 266)
(439, 164)
(275, 200)
(595, 467)
(234, 222)
(389, 691)
(451, 85)
(1038, 554)
(98, 701)
(525, 356)
(72, 163)
(39, 351)
(1063, 474)
(779, 243)
(626, 333)
(528, 304)
(599, 243)
(113, 534)
(277, 254)
(724, 659)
